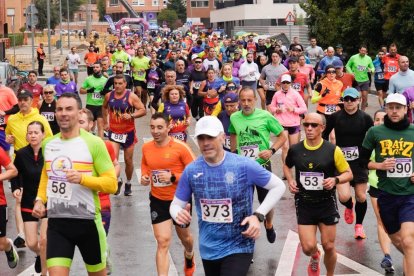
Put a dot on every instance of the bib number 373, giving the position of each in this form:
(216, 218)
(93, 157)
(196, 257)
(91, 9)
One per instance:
(217, 210)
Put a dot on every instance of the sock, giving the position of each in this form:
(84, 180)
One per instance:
(360, 211)
(387, 255)
(128, 181)
(21, 235)
(188, 255)
(348, 204)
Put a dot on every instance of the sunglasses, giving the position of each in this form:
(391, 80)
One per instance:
(197, 62)
(331, 72)
(313, 125)
(231, 87)
(286, 82)
(350, 99)
(48, 92)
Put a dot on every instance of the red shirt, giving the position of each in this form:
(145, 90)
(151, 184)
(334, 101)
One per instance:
(347, 80)
(4, 162)
(299, 82)
(390, 65)
(36, 90)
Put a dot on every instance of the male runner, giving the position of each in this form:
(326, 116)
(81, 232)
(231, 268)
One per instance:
(250, 130)
(123, 107)
(316, 163)
(163, 162)
(350, 125)
(222, 184)
(77, 167)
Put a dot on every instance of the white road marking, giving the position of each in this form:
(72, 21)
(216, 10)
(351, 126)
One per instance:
(287, 259)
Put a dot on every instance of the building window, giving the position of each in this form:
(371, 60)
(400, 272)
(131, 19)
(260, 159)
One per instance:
(279, 1)
(155, 3)
(199, 4)
(113, 3)
(138, 3)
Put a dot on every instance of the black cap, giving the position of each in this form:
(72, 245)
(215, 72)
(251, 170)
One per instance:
(293, 59)
(24, 94)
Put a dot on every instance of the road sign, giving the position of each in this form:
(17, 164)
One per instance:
(290, 17)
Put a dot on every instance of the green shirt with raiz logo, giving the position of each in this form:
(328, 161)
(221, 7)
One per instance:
(397, 144)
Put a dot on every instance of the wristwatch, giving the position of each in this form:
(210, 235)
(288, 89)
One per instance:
(259, 216)
(336, 180)
(173, 178)
(273, 150)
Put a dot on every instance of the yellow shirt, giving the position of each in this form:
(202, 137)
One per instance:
(17, 126)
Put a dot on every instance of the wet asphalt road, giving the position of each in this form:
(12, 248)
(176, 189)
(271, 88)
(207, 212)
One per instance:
(133, 245)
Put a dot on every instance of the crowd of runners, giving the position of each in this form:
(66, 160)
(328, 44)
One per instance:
(247, 100)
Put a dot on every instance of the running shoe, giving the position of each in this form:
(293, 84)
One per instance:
(19, 242)
(349, 215)
(313, 267)
(386, 264)
(359, 232)
(38, 265)
(270, 234)
(128, 189)
(119, 187)
(12, 256)
(189, 266)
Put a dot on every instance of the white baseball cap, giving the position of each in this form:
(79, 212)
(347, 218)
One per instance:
(286, 77)
(208, 125)
(396, 98)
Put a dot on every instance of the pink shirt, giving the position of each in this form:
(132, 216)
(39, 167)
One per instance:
(308, 70)
(285, 101)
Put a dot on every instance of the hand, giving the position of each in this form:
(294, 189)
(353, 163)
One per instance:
(127, 116)
(266, 87)
(184, 216)
(293, 187)
(191, 91)
(145, 180)
(290, 109)
(73, 176)
(39, 210)
(265, 154)
(2, 113)
(278, 110)
(10, 139)
(17, 194)
(329, 183)
(164, 176)
(388, 164)
(253, 229)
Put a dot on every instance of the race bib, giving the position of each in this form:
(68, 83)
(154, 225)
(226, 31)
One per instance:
(2, 120)
(156, 182)
(296, 86)
(118, 137)
(140, 73)
(311, 181)
(350, 153)
(252, 73)
(330, 108)
(96, 96)
(271, 85)
(250, 151)
(217, 210)
(178, 135)
(403, 168)
(59, 188)
(151, 85)
(196, 85)
(380, 76)
(361, 68)
(392, 69)
(227, 142)
(50, 116)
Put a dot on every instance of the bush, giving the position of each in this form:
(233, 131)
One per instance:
(18, 39)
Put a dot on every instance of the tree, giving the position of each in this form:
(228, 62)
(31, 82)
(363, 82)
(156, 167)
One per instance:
(74, 6)
(100, 5)
(180, 9)
(370, 22)
(167, 15)
(41, 6)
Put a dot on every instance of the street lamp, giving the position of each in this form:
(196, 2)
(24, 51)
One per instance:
(67, 6)
(11, 13)
(60, 12)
